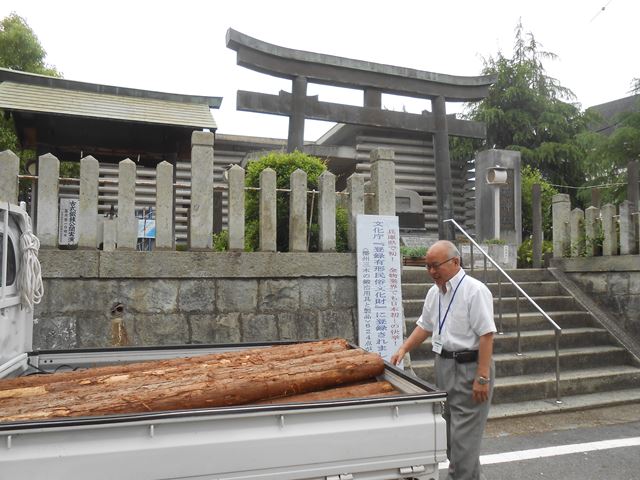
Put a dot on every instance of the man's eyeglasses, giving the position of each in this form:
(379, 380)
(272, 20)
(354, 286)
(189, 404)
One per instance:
(437, 265)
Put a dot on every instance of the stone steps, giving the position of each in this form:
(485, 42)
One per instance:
(420, 275)
(536, 340)
(568, 403)
(532, 321)
(541, 361)
(572, 382)
(533, 289)
(594, 368)
(413, 307)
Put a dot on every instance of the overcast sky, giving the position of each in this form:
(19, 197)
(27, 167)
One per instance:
(179, 46)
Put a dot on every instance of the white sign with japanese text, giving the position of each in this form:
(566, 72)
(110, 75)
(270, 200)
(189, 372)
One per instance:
(379, 284)
(68, 221)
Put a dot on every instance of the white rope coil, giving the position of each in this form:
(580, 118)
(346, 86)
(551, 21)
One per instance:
(29, 275)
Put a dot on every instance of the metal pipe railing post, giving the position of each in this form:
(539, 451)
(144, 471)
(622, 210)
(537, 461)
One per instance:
(500, 305)
(471, 255)
(484, 275)
(558, 367)
(519, 346)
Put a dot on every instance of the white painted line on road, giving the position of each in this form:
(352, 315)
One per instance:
(555, 451)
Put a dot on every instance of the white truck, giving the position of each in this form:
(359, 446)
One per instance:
(397, 437)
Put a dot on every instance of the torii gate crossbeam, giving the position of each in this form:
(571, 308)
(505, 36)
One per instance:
(374, 79)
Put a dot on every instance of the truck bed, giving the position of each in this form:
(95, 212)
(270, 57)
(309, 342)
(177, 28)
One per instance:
(401, 436)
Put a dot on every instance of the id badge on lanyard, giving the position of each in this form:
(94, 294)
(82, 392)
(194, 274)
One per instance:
(436, 343)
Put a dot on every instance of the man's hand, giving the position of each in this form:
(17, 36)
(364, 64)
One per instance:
(480, 392)
(397, 357)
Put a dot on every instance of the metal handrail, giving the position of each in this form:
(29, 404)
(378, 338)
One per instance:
(555, 326)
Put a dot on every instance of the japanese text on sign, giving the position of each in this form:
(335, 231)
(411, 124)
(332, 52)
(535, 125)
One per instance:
(68, 221)
(379, 286)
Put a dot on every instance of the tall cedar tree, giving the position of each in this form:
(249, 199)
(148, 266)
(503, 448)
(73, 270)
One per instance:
(529, 111)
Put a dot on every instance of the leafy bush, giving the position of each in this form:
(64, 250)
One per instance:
(495, 241)
(284, 165)
(525, 252)
(413, 252)
(221, 241)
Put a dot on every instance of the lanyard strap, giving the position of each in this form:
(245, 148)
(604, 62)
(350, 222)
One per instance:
(441, 322)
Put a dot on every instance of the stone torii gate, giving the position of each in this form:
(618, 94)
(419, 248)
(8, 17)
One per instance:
(374, 79)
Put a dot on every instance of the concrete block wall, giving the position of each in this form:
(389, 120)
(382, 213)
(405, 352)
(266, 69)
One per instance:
(613, 282)
(175, 298)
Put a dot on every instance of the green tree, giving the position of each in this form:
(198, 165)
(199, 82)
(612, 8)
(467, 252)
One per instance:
(20, 48)
(606, 157)
(529, 111)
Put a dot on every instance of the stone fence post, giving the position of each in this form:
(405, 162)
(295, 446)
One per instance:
(9, 170)
(355, 190)
(88, 208)
(536, 218)
(165, 238)
(327, 212)
(47, 207)
(298, 211)
(627, 229)
(127, 223)
(201, 211)
(236, 208)
(383, 181)
(633, 195)
(561, 205)
(591, 229)
(268, 216)
(575, 232)
(610, 243)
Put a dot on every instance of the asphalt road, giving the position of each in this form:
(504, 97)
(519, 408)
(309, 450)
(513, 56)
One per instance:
(588, 445)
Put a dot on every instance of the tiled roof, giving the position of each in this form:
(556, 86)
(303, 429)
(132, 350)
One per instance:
(42, 99)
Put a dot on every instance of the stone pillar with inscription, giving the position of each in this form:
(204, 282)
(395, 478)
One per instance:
(510, 197)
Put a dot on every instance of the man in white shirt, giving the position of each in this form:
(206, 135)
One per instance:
(458, 313)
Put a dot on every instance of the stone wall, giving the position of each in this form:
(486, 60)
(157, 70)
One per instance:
(195, 297)
(613, 283)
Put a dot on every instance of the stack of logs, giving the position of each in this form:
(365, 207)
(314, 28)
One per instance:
(313, 371)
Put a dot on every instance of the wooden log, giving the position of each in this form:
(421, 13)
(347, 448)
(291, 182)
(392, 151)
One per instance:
(232, 358)
(158, 378)
(364, 390)
(250, 385)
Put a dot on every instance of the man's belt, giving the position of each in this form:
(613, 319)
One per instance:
(463, 356)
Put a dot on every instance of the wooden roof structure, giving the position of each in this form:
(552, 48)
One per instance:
(72, 119)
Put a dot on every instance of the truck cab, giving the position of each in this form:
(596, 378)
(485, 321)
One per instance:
(16, 318)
